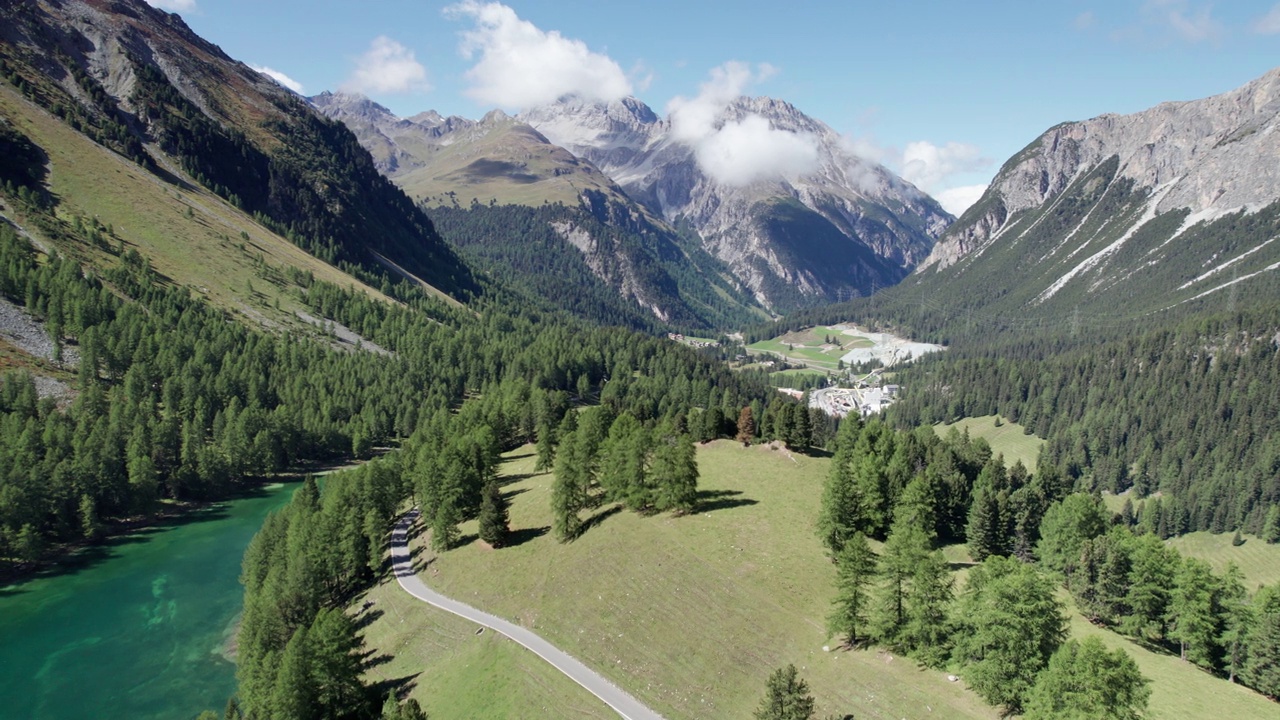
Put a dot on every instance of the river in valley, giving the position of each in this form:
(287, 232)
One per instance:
(139, 629)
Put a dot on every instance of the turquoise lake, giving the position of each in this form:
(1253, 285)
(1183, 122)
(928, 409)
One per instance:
(137, 631)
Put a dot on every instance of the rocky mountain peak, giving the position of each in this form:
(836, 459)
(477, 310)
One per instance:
(1210, 156)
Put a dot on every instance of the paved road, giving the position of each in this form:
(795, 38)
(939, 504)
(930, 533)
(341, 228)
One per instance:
(402, 563)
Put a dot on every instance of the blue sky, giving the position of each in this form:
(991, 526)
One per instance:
(940, 91)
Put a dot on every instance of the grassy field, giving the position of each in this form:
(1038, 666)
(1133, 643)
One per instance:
(457, 674)
(691, 614)
(1010, 439)
(1259, 561)
(1179, 690)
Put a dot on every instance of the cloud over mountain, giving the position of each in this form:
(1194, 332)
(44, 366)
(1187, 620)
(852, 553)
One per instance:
(738, 151)
(520, 65)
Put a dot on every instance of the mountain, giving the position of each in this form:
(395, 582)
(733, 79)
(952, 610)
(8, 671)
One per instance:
(121, 90)
(842, 228)
(1127, 214)
(455, 161)
(532, 213)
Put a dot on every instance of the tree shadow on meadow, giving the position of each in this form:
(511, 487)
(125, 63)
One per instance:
(596, 519)
(712, 500)
(401, 686)
(524, 535)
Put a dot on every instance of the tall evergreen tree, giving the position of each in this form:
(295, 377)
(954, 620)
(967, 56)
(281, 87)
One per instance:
(494, 522)
(674, 468)
(567, 490)
(927, 631)
(1261, 669)
(746, 426)
(855, 573)
(1193, 612)
(906, 547)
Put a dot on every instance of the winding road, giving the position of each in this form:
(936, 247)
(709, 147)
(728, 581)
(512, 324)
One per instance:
(613, 696)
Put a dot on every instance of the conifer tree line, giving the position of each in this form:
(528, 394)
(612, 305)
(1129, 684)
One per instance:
(300, 653)
(173, 402)
(600, 458)
(1005, 630)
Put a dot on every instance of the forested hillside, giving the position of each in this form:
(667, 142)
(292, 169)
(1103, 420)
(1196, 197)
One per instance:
(582, 261)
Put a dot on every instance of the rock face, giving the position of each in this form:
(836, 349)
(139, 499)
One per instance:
(1210, 156)
(844, 227)
(1128, 213)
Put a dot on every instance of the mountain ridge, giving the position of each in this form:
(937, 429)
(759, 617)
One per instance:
(844, 195)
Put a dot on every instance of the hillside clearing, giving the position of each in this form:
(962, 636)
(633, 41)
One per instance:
(1006, 438)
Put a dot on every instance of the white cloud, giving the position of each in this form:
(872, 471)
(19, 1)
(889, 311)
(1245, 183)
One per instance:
(387, 67)
(279, 77)
(1085, 20)
(1188, 23)
(741, 151)
(957, 200)
(521, 65)
(929, 166)
(173, 5)
(1268, 24)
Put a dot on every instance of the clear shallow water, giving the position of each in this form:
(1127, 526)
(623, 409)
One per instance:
(138, 631)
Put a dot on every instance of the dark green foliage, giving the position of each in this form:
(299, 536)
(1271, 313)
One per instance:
(786, 697)
(494, 524)
(1261, 669)
(1271, 525)
(1009, 625)
(521, 246)
(855, 573)
(317, 186)
(1085, 680)
(299, 652)
(674, 471)
(1066, 526)
(568, 491)
(1194, 614)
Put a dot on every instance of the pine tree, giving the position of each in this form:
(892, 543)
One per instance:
(801, 435)
(1261, 669)
(841, 513)
(1192, 612)
(906, 547)
(1237, 618)
(1152, 566)
(984, 529)
(674, 469)
(1085, 680)
(1271, 526)
(926, 633)
(746, 427)
(546, 446)
(787, 697)
(855, 572)
(1009, 625)
(444, 527)
(567, 495)
(494, 523)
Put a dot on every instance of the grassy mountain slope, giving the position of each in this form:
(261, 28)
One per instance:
(139, 82)
(191, 236)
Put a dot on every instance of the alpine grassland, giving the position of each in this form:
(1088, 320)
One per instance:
(1005, 438)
